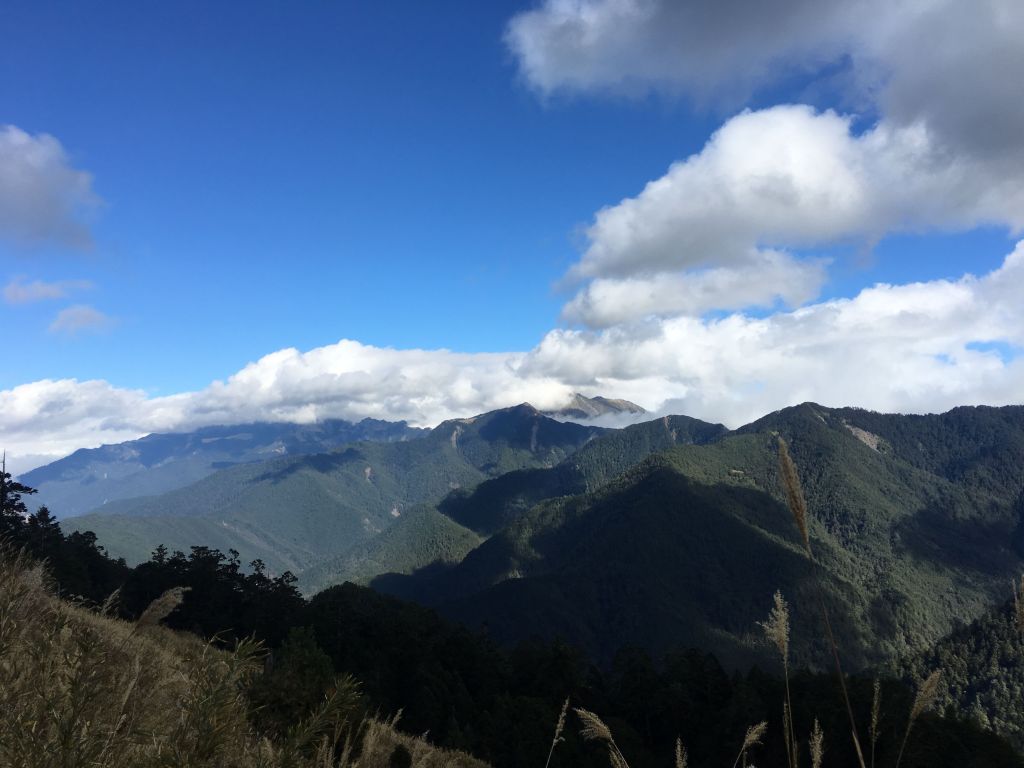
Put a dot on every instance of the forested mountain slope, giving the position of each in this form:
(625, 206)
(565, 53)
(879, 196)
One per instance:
(294, 511)
(432, 537)
(689, 546)
(157, 463)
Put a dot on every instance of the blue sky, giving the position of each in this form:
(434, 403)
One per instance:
(411, 175)
(290, 175)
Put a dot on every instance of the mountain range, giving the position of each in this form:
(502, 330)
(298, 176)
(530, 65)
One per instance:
(915, 522)
(157, 463)
(669, 533)
(294, 511)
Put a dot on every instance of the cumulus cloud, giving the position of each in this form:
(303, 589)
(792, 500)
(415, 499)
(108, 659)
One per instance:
(80, 318)
(946, 63)
(53, 418)
(910, 348)
(22, 291)
(943, 151)
(707, 234)
(43, 199)
(905, 348)
(765, 278)
(954, 67)
(699, 46)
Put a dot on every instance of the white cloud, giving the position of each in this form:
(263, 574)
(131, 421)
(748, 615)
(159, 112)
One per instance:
(702, 47)
(937, 78)
(700, 237)
(949, 64)
(953, 66)
(765, 278)
(21, 291)
(43, 199)
(892, 347)
(53, 418)
(80, 318)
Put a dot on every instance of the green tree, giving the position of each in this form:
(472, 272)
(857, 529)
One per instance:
(12, 509)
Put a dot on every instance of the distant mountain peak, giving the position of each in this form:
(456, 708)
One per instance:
(583, 407)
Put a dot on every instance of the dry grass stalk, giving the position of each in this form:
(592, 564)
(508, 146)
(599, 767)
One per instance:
(924, 699)
(752, 739)
(594, 729)
(817, 745)
(110, 604)
(776, 630)
(798, 507)
(926, 694)
(794, 493)
(787, 734)
(1018, 604)
(681, 758)
(616, 760)
(876, 705)
(559, 728)
(78, 688)
(162, 607)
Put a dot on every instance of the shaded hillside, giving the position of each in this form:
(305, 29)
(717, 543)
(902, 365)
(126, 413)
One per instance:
(155, 464)
(983, 673)
(421, 538)
(689, 546)
(295, 511)
(498, 502)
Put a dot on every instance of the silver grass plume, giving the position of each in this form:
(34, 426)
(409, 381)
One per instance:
(794, 493)
(927, 693)
(752, 738)
(559, 728)
(1018, 605)
(817, 745)
(681, 758)
(162, 607)
(876, 706)
(593, 728)
(776, 629)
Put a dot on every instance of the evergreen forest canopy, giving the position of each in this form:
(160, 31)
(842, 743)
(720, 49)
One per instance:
(631, 573)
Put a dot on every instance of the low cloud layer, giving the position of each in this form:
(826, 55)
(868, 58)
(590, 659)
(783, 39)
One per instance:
(43, 198)
(916, 347)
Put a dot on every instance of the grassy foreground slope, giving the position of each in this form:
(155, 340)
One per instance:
(78, 688)
(295, 511)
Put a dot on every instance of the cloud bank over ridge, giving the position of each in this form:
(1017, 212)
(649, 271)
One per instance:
(918, 347)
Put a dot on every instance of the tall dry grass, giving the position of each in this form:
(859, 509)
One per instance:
(80, 689)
